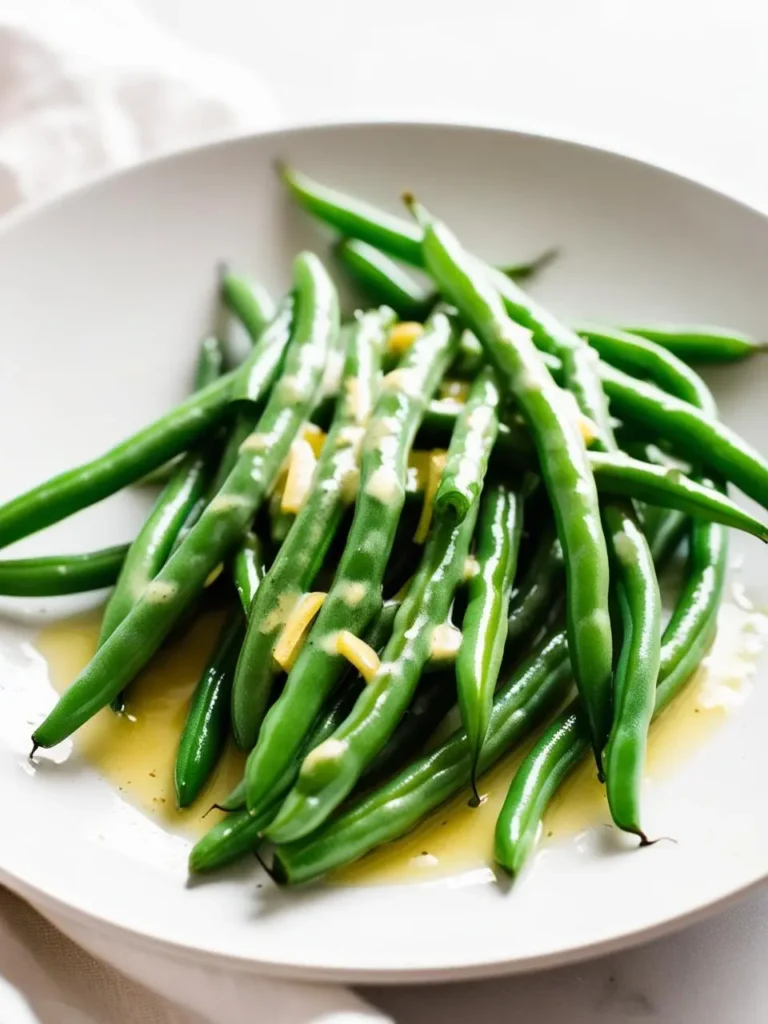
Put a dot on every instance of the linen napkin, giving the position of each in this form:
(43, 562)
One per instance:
(87, 86)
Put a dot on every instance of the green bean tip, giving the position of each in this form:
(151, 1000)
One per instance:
(278, 876)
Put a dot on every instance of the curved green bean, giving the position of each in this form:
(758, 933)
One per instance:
(303, 552)
(562, 457)
(385, 282)
(208, 720)
(382, 281)
(330, 772)
(485, 624)
(248, 300)
(207, 726)
(699, 343)
(55, 575)
(691, 432)
(388, 812)
(477, 426)
(355, 596)
(248, 392)
(224, 521)
(138, 455)
(150, 550)
(538, 593)
(565, 742)
(248, 570)
(637, 668)
(644, 358)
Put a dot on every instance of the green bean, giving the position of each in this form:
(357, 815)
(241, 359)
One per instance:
(275, 337)
(154, 541)
(537, 594)
(635, 582)
(228, 840)
(615, 474)
(637, 669)
(471, 442)
(691, 432)
(635, 591)
(380, 500)
(484, 629)
(330, 772)
(304, 550)
(207, 726)
(394, 235)
(434, 698)
(644, 358)
(700, 344)
(563, 461)
(54, 575)
(127, 462)
(208, 721)
(707, 563)
(388, 812)
(665, 534)
(632, 398)
(132, 459)
(564, 743)
(224, 843)
(670, 488)
(513, 446)
(248, 570)
(383, 281)
(560, 749)
(358, 220)
(225, 520)
(248, 300)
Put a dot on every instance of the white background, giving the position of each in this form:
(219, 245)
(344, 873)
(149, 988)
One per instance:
(683, 83)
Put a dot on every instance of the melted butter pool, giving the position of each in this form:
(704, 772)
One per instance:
(136, 751)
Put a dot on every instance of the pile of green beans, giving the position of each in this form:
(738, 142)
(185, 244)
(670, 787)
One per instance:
(544, 519)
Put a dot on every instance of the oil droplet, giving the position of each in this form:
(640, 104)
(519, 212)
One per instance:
(136, 750)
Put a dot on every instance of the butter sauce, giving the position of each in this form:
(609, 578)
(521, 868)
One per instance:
(136, 751)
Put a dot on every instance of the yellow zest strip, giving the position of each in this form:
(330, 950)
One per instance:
(298, 482)
(294, 631)
(402, 336)
(314, 436)
(214, 574)
(436, 466)
(358, 653)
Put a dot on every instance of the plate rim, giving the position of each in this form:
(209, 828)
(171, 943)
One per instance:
(59, 909)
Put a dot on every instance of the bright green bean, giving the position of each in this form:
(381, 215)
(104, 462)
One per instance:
(477, 426)
(150, 550)
(485, 624)
(562, 457)
(391, 810)
(225, 520)
(355, 597)
(55, 575)
(299, 559)
(330, 772)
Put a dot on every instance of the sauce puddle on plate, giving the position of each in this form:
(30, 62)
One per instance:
(136, 751)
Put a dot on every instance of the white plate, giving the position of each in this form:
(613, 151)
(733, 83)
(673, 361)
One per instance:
(103, 297)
